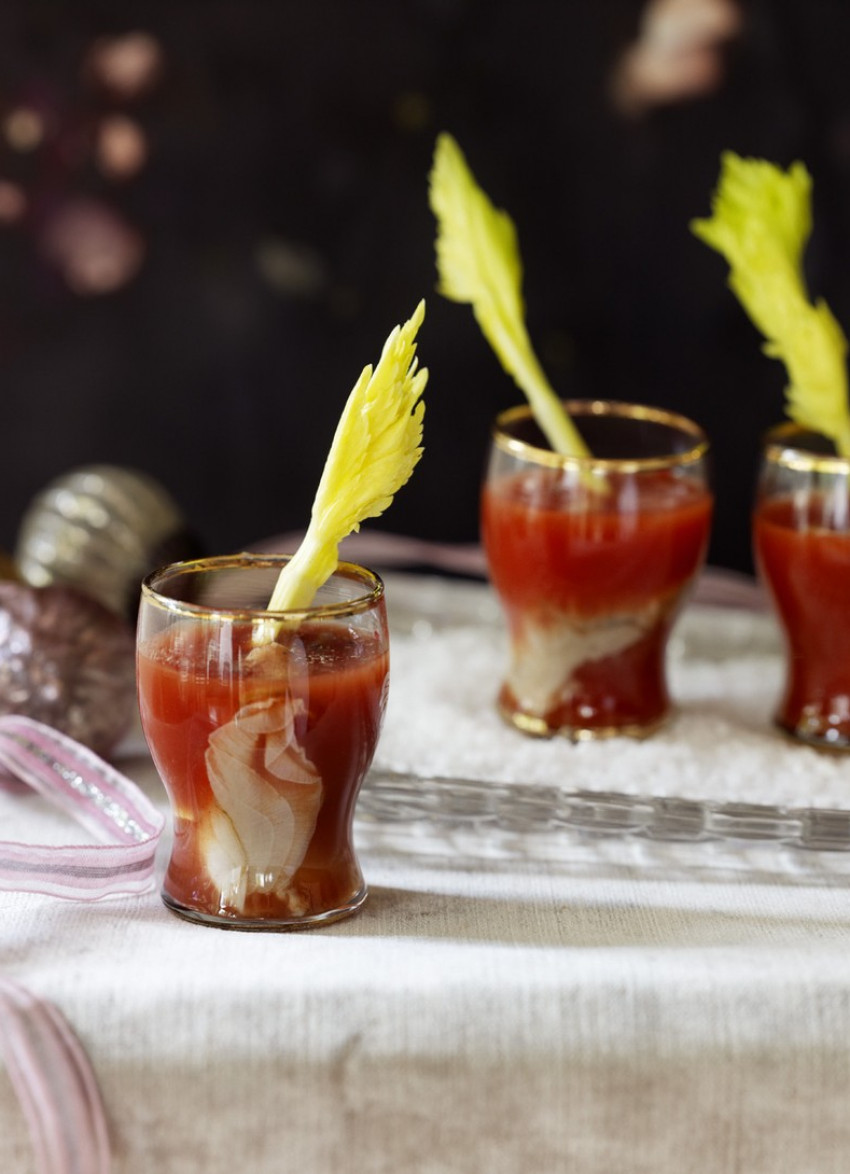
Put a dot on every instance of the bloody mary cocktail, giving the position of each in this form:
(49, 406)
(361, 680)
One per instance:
(591, 560)
(262, 727)
(801, 538)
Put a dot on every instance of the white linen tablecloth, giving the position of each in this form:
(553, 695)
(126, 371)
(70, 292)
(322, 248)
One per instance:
(510, 999)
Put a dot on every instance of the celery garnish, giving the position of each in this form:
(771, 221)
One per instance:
(375, 449)
(479, 263)
(761, 221)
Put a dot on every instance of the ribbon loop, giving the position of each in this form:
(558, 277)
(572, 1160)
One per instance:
(55, 1085)
(105, 802)
(49, 1069)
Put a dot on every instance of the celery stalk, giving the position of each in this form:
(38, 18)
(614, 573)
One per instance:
(479, 263)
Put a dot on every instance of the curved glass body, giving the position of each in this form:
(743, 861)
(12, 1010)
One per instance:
(801, 540)
(262, 726)
(592, 560)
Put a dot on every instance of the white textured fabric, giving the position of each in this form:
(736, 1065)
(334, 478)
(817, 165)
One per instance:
(612, 1006)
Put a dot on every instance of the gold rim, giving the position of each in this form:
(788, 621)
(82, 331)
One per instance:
(538, 727)
(545, 456)
(359, 603)
(784, 444)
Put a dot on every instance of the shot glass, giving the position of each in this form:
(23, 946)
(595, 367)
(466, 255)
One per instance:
(262, 727)
(592, 560)
(801, 540)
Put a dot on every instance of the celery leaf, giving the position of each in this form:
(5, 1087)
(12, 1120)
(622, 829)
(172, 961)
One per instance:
(761, 221)
(375, 449)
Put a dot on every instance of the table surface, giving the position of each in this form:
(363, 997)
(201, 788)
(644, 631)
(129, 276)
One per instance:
(542, 979)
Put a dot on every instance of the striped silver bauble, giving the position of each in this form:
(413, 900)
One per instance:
(101, 529)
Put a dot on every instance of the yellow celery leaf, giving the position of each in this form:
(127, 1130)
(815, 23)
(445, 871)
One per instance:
(761, 221)
(375, 449)
(479, 263)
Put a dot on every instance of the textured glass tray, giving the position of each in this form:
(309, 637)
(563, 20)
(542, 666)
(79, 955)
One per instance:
(424, 608)
(392, 797)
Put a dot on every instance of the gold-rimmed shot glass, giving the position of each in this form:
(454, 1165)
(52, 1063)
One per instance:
(592, 560)
(262, 726)
(801, 540)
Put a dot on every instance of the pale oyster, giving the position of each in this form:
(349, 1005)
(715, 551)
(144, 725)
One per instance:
(547, 654)
(268, 795)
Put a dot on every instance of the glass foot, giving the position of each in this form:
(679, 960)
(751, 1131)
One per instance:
(829, 739)
(539, 727)
(267, 924)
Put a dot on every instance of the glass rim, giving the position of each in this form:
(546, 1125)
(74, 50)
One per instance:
(778, 446)
(601, 407)
(373, 594)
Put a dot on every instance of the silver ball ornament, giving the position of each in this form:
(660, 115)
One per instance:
(101, 528)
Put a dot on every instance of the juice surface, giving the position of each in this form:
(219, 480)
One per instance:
(296, 735)
(805, 564)
(601, 553)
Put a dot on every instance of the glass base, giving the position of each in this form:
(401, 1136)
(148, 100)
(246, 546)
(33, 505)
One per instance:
(267, 924)
(831, 740)
(539, 727)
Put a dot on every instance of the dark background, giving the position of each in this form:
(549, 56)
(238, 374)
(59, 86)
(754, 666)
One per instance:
(284, 228)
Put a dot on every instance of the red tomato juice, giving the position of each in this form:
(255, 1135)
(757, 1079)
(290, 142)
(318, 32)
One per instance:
(805, 565)
(332, 693)
(573, 567)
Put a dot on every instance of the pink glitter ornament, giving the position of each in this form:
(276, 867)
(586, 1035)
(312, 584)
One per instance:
(68, 661)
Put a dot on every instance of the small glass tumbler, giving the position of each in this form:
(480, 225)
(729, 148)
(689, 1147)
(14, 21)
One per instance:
(592, 559)
(262, 726)
(801, 540)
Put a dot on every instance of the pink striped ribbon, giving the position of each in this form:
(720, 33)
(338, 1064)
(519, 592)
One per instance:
(104, 801)
(55, 1085)
(48, 1066)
